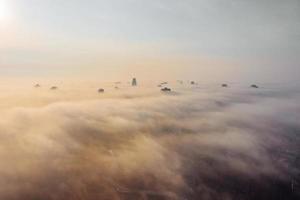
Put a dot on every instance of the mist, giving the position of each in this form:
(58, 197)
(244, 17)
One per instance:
(196, 142)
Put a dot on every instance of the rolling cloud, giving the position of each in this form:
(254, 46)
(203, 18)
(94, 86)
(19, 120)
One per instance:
(196, 143)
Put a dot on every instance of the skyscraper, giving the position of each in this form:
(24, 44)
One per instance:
(134, 82)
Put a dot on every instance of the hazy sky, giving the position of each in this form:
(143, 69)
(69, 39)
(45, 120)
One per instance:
(197, 39)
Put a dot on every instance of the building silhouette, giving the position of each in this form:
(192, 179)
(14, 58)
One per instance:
(134, 82)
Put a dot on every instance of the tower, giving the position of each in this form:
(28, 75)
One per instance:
(134, 82)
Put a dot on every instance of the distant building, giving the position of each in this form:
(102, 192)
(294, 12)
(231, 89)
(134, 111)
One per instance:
(101, 90)
(134, 82)
(165, 89)
(53, 88)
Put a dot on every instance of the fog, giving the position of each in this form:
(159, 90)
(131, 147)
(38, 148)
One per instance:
(196, 142)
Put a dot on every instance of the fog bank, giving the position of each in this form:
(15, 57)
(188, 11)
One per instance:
(197, 142)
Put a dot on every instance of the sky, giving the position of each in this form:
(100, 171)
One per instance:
(214, 40)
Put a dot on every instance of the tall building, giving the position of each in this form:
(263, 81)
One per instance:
(134, 82)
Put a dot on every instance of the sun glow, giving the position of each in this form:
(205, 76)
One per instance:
(5, 12)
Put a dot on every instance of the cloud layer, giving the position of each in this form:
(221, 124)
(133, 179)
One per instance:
(195, 143)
